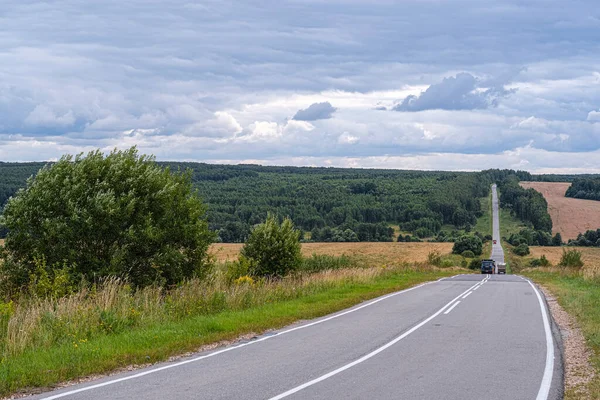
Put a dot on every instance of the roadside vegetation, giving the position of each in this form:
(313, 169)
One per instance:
(578, 292)
(106, 264)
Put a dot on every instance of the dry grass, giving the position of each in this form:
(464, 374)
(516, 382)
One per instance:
(589, 255)
(41, 322)
(569, 216)
(379, 252)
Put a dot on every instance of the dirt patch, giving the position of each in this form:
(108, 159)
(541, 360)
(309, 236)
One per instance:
(569, 216)
(379, 251)
(578, 368)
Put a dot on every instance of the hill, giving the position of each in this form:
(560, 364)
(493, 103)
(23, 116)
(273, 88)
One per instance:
(569, 216)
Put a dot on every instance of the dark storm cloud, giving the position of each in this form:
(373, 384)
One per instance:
(315, 112)
(460, 92)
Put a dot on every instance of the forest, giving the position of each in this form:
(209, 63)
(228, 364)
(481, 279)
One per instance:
(528, 205)
(584, 188)
(336, 204)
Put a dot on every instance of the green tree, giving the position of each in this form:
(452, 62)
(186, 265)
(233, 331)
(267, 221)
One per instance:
(120, 214)
(521, 250)
(273, 248)
(557, 240)
(468, 243)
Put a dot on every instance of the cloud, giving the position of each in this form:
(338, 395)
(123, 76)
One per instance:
(346, 138)
(461, 92)
(315, 112)
(69, 84)
(593, 116)
(43, 116)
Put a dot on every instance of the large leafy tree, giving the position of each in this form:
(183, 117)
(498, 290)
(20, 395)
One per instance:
(119, 214)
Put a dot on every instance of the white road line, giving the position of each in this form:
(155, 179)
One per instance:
(227, 349)
(366, 357)
(452, 308)
(549, 369)
(467, 295)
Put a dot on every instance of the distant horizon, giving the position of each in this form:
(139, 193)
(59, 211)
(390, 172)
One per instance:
(327, 166)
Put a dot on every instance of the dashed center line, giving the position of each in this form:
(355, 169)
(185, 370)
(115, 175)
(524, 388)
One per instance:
(467, 295)
(452, 308)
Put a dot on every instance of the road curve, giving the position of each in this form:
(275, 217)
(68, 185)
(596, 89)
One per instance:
(464, 337)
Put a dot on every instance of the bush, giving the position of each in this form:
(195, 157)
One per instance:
(434, 258)
(540, 262)
(468, 242)
(322, 262)
(120, 215)
(475, 264)
(521, 250)
(468, 254)
(571, 259)
(273, 248)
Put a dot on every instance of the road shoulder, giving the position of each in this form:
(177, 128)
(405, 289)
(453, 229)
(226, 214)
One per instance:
(578, 369)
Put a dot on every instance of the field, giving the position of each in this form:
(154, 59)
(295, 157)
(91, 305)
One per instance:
(569, 216)
(375, 253)
(589, 255)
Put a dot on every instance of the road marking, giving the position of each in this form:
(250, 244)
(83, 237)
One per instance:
(367, 356)
(467, 295)
(454, 305)
(549, 369)
(227, 349)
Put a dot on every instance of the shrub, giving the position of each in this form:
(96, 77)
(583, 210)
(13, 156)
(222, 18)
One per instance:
(468, 254)
(120, 215)
(475, 264)
(322, 262)
(273, 248)
(521, 250)
(468, 242)
(571, 259)
(237, 269)
(434, 258)
(539, 262)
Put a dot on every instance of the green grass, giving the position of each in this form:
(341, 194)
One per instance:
(580, 298)
(45, 366)
(484, 223)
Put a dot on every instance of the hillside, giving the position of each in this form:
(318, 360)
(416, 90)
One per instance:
(569, 216)
(328, 204)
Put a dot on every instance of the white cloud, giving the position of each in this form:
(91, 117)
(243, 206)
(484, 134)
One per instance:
(44, 116)
(70, 84)
(346, 138)
(593, 116)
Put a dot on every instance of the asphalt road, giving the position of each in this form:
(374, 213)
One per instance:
(497, 252)
(465, 337)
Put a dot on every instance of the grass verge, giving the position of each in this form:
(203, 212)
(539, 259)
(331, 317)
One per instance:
(38, 366)
(580, 298)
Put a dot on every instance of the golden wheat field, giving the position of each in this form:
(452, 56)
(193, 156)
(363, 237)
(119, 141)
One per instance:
(379, 251)
(589, 255)
(569, 216)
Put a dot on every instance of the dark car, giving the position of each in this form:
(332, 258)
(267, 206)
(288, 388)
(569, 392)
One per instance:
(487, 266)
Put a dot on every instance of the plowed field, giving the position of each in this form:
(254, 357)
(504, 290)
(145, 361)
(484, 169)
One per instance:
(569, 216)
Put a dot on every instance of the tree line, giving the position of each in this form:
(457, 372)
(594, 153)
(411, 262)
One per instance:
(328, 204)
(528, 205)
(584, 188)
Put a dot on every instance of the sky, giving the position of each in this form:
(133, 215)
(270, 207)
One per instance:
(410, 84)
